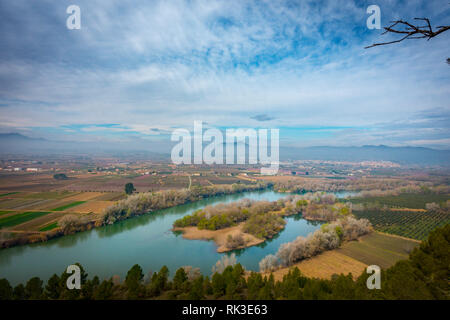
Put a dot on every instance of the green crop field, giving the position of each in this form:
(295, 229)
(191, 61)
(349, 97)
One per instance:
(8, 194)
(410, 224)
(50, 226)
(20, 218)
(405, 200)
(69, 205)
(379, 249)
(4, 212)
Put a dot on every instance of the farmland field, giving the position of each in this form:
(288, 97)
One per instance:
(110, 196)
(37, 222)
(18, 204)
(49, 195)
(405, 200)
(228, 180)
(8, 194)
(91, 206)
(58, 200)
(39, 211)
(116, 183)
(410, 224)
(354, 256)
(325, 265)
(49, 227)
(20, 218)
(380, 249)
(84, 196)
(68, 206)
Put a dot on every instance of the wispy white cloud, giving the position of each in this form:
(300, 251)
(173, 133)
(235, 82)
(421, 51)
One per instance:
(151, 66)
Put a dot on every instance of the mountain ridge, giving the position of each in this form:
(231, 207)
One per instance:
(19, 143)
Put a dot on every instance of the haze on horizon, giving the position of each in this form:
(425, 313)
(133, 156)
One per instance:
(138, 69)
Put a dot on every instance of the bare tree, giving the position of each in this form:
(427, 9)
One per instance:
(411, 31)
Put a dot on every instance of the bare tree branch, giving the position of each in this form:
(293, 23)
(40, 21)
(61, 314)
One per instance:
(410, 31)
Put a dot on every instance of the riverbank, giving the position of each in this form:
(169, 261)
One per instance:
(37, 237)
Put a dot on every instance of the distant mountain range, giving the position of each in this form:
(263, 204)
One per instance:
(17, 137)
(15, 143)
(402, 155)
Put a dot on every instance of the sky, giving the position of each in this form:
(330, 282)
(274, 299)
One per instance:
(136, 70)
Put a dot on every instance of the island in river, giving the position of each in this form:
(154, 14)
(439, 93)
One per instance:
(220, 236)
(247, 223)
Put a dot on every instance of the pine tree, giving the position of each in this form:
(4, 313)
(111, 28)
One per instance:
(133, 281)
(19, 292)
(179, 279)
(34, 289)
(6, 291)
(53, 288)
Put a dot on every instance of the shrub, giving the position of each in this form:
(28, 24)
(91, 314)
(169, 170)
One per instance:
(225, 261)
(234, 242)
(268, 263)
(72, 223)
(60, 176)
(432, 206)
(264, 225)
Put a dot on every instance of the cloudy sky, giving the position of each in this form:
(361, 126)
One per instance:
(138, 69)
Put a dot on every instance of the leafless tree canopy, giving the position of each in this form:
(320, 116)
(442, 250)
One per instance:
(410, 31)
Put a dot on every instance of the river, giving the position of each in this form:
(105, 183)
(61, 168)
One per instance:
(146, 240)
